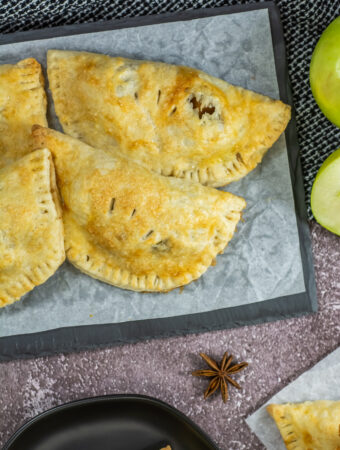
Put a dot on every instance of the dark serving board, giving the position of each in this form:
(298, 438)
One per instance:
(90, 336)
(119, 422)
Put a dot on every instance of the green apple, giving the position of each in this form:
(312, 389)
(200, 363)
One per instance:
(325, 198)
(325, 72)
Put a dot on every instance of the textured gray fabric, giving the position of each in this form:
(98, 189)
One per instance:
(303, 22)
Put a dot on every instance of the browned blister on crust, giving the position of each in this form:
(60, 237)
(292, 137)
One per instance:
(22, 104)
(131, 227)
(174, 120)
(31, 228)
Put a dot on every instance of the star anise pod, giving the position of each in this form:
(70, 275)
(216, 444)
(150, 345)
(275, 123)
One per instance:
(220, 376)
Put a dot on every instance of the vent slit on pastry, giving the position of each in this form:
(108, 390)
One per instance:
(135, 255)
(148, 234)
(162, 246)
(112, 205)
(173, 111)
(185, 121)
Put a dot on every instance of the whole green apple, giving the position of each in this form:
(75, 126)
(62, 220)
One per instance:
(325, 72)
(325, 198)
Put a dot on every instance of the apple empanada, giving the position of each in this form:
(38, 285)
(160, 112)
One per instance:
(22, 104)
(174, 120)
(31, 228)
(134, 228)
(308, 426)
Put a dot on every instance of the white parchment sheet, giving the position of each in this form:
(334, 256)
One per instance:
(319, 383)
(263, 259)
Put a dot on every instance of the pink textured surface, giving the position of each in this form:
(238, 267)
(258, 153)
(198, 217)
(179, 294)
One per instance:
(277, 352)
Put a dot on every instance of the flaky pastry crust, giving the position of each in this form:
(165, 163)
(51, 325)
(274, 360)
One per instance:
(174, 120)
(31, 228)
(131, 227)
(308, 426)
(22, 104)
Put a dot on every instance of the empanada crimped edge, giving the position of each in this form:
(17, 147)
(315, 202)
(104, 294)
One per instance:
(31, 228)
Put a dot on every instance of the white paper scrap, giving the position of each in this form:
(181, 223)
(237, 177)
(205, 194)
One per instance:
(321, 382)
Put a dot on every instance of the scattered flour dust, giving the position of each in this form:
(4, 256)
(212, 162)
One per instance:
(38, 396)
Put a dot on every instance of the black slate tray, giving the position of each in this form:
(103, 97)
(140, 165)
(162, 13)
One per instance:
(91, 336)
(119, 422)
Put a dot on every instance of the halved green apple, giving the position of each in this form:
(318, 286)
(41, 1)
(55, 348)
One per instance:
(325, 72)
(325, 198)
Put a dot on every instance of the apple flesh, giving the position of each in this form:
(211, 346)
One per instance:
(325, 198)
(325, 72)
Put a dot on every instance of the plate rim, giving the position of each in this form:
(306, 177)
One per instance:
(106, 398)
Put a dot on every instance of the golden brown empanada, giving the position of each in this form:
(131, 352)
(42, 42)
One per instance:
(31, 228)
(22, 104)
(174, 120)
(308, 426)
(131, 227)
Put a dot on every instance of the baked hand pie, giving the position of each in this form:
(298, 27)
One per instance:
(131, 227)
(308, 426)
(31, 228)
(22, 104)
(174, 120)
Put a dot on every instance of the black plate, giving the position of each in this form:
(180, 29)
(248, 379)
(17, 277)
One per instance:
(115, 422)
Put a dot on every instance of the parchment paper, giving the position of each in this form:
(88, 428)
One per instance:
(319, 383)
(263, 259)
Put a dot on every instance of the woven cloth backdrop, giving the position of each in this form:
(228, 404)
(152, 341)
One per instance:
(303, 22)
